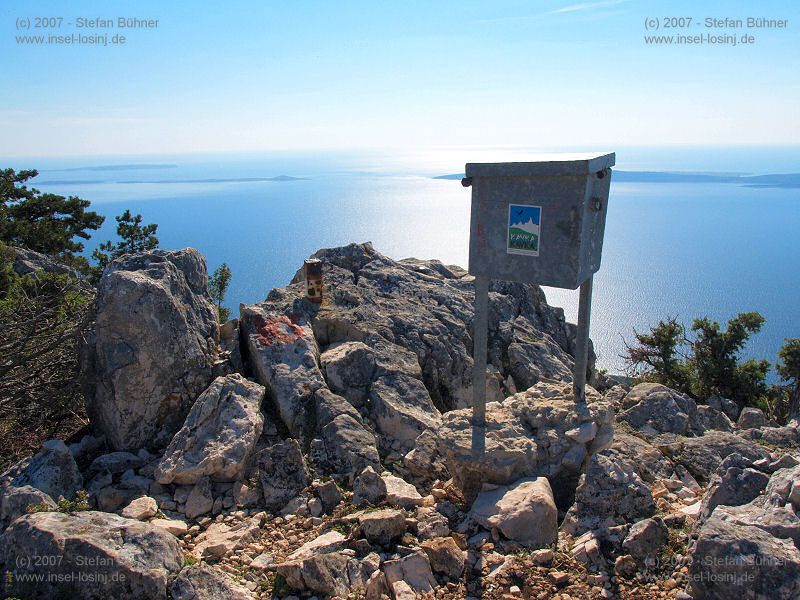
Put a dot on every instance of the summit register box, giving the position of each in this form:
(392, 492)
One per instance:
(539, 222)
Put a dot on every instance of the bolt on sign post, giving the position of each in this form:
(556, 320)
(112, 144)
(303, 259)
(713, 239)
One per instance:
(538, 222)
(313, 269)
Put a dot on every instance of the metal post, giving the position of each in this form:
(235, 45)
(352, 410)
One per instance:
(480, 327)
(582, 342)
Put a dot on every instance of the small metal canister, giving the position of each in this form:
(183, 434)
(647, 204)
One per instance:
(313, 268)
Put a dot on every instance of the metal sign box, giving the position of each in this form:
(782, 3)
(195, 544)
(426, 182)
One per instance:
(539, 222)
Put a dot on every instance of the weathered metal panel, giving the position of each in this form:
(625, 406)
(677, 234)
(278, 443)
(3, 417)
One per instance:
(560, 209)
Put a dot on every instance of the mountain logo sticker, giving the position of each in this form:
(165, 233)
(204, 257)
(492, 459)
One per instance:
(524, 224)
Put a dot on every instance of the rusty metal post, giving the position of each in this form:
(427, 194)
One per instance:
(313, 269)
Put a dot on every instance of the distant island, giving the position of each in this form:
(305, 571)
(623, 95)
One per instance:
(277, 178)
(225, 180)
(127, 167)
(783, 180)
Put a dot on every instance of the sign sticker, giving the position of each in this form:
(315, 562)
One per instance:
(524, 222)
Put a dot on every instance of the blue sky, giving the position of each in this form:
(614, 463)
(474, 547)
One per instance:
(519, 213)
(242, 76)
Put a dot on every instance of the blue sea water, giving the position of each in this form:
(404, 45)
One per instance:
(671, 249)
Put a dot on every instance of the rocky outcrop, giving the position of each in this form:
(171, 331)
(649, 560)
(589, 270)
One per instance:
(652, 408)
(751, 417)
(284, 356)
(152, 348)
(201, 582)
(218, 436)
(648, 462)
(701, 456)
(736, 483)
(283, 473)
(221, 539)
(52, 470)
(15, 501)
(609, 493)
(539, 432)
(100, 556)
(708, 417)
(752, 550)
(524, 512)
(381, 527)
(321, 566)
(646, 538)
(738, 560)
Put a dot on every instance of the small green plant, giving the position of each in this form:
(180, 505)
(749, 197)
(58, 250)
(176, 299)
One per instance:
(80, 503)
(218, 286)
(188, 560)
(341, 527)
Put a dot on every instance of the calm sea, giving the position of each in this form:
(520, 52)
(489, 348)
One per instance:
(671, 249)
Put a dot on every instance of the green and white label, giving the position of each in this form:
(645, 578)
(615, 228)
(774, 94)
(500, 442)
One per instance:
(524, 229)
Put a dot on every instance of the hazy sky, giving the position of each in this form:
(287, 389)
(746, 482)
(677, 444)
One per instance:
(407, 74)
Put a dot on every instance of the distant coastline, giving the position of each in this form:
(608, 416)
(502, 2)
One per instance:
(780, 180)
(277, 178)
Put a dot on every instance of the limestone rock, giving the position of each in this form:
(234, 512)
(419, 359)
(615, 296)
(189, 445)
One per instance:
(445, 556)
(424, 464)
(401, 493)
(414, 569)
(284, 356)
(152, 348)
(347, 446)
(176, 527)
(426, 308)
(783, 437)
(751, 418)
(218, 436)
(645, 538)
(708, 417)
(230, 345)
(402, 591)
(135, 559)
(740, 560)
(116, 462)
(655, 408)
(141, 509)
(431, 523)
(221, 539)
(327, 542)
(14, 502)
(648, 462)
(200, 500)
(381, 527)
(349, 368)
(369, 488)
(402, 409)
(736, 486)
(609, 493)
(320, 566)
(113, 497)
(283, 473)
(526, 437)
(702, 455)
(202, 582)
(729, 407)
(329, 494)
(524, 512)
(320, 573)
(52, 470)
